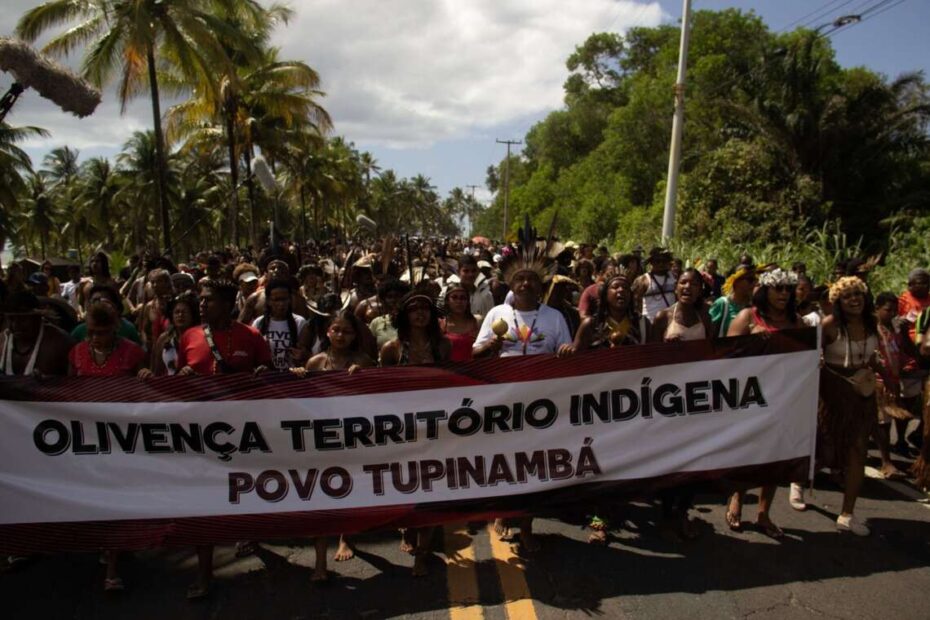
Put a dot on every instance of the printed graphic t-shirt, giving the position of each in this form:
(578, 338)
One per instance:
(542, 331)
(278, 336)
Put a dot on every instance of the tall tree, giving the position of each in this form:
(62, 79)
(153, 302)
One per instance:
(15, 166)
(130, 38)
(99, 185)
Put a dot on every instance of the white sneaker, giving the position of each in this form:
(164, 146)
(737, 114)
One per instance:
(796, 497)
(849, 523)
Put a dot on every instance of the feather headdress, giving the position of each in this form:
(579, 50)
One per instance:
(532, 254)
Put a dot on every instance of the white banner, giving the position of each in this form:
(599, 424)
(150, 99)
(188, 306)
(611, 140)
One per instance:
(71, 462)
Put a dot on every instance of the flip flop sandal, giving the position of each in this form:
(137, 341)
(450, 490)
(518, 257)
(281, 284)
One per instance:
(771, 530)
(197, 592)
(245, 549)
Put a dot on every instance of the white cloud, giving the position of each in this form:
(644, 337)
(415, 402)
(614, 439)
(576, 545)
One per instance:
(397, 73)
(409, 73)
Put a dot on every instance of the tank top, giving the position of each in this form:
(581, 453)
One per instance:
(695, 332)
(850, 353)
(461, 345)
(169, 356)
(659, 295)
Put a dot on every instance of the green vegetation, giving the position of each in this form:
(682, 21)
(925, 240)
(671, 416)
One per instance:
(186, 183)
(786, 154)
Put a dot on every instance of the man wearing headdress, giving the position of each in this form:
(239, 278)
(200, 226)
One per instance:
(525, 327)
(532, 327)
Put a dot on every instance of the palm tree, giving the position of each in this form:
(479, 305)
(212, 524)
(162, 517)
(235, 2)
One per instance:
(268, 105)
(14, 164)
(134, 38)
(139, 166)
(60, 169)
(40, 211)
(424, 201)
(100, 185)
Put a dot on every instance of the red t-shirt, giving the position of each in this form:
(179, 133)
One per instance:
(587, 304)
(123, 361)
(909, 308)
(241, 347)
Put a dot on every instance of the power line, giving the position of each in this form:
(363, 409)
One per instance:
(816, 15)
(873, 11)
(635, 22)
(887, 8)
(822, 10)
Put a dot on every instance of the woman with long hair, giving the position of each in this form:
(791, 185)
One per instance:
(616, 322)
(419, 341)
(773, 309)
(184, 312)
(342, 351)
(419, 334)
(847, 396)
(341, 348)
(459, 324)
(686, 320)
(105, 354)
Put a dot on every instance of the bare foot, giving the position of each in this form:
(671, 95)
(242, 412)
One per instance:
(419, 565)
(890, 472)
(500, 529)
(345, 551)
(407, 540)
(598, 537)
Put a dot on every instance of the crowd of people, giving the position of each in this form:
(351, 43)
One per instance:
(334, 306)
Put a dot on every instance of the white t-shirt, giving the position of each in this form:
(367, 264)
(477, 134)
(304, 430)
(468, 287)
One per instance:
(69, 292)
(278, 336)
(659, 295)
(542, 331)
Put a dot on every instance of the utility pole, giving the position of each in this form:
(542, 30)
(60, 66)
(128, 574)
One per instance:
(507, 182)
(674, 156)
(472, 188)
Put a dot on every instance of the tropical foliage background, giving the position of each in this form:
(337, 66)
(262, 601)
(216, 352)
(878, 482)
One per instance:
(786, 154)
(186, 183)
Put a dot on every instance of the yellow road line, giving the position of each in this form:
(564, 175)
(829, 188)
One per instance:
(461, 575)
(518, 602)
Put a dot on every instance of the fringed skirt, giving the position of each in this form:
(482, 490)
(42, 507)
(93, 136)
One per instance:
(844, 418)
(921, 467)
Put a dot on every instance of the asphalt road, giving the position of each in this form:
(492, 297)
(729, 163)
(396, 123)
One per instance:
(814, 572)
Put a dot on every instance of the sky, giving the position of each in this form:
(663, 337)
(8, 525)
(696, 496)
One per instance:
(428, 85)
